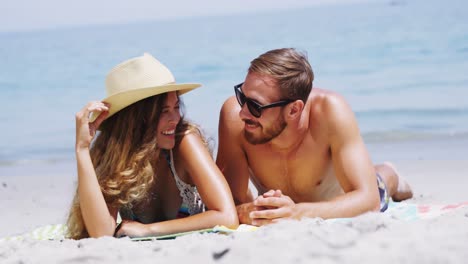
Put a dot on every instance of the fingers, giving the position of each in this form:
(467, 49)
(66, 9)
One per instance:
(132, 228)
(121, 229)
(269, 193)
(270, 214)
(94, 106)
(273, 193)
(262, 222)
(97, 122)
(273, 201)
(264, 214)
(275, 206)
(244, 210)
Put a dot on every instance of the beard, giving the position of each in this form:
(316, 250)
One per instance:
(267, 134)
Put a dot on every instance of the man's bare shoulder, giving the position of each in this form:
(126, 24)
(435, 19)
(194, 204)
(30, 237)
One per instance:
(328, 105)
(332, 115)
(328, 112)
(229, 120)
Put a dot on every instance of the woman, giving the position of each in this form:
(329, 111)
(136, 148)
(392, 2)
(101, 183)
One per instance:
(146, 163)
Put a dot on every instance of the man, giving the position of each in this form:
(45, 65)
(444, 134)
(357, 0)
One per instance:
(301, 147)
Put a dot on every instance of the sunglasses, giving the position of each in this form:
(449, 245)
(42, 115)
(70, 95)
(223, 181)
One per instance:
(255, 108)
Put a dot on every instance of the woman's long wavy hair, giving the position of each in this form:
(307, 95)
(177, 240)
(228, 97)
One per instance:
(125, 154)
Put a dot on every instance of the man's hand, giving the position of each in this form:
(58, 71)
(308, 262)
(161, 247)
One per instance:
(244, 210)
(273, 206)
(132, 229)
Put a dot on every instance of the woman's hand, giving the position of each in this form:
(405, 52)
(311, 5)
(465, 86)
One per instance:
(133, 229)
(85, 130)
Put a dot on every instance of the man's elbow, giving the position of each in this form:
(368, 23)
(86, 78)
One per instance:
(369, 202)
(374, 203)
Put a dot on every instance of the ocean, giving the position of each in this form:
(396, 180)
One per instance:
(402, 66)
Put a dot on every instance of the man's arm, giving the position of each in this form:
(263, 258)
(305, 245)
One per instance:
(231, 158)
(351, 162)
(352, 166)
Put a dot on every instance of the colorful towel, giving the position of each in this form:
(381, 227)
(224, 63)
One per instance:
(411, 211)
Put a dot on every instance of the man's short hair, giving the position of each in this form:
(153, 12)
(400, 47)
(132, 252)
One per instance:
(291, 70)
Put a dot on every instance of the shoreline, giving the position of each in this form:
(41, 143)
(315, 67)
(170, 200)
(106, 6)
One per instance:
(406, 150)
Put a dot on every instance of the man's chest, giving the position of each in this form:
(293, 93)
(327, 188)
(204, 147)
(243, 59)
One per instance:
(300, 176)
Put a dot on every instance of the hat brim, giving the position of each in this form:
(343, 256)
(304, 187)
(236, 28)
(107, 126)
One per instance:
(121, 100)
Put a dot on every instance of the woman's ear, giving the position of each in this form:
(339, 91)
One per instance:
(295, 109)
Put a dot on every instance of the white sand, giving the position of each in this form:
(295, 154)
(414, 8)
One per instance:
(30, 201)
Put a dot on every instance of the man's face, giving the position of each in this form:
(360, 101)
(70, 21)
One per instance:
(262, 90)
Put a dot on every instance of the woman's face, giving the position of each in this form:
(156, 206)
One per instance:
(170, 117)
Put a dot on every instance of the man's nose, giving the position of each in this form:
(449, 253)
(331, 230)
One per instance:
(244, 113)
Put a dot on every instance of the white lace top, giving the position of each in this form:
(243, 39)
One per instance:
(191, 199)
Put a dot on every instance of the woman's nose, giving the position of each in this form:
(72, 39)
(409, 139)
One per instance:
(175, 116)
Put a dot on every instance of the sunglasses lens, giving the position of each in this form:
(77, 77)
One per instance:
(254, 110)
(240, 97)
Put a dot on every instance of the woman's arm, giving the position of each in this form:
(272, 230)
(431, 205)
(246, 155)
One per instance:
(212, 186)
(98, 219)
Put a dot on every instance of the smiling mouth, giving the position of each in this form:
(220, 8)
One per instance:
(168, 132)
(250, 124)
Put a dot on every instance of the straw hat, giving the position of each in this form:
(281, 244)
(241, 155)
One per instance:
(137, 79)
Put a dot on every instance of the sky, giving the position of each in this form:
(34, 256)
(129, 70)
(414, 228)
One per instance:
(29, 15)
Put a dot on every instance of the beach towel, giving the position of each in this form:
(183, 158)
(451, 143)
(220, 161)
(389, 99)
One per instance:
(58, 231)
(48, 232)
(412, 211)
(217, 229)
(398, 210)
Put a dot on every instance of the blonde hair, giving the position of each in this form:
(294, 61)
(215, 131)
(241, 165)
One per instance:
(124, 155)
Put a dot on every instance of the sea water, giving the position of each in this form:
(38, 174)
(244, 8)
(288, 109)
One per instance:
(402, 66)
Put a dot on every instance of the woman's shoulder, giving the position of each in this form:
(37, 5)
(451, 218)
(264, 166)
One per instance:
(190, 137)
(191, 143)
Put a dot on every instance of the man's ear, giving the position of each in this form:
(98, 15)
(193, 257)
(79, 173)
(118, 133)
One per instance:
(295, 109)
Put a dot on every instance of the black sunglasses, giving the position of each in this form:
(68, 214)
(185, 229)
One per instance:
(254, 107)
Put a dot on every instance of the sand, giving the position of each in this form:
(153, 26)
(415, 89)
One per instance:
(38, 195)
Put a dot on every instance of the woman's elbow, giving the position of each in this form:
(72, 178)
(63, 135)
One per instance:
(101, 232)
(230, 219)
